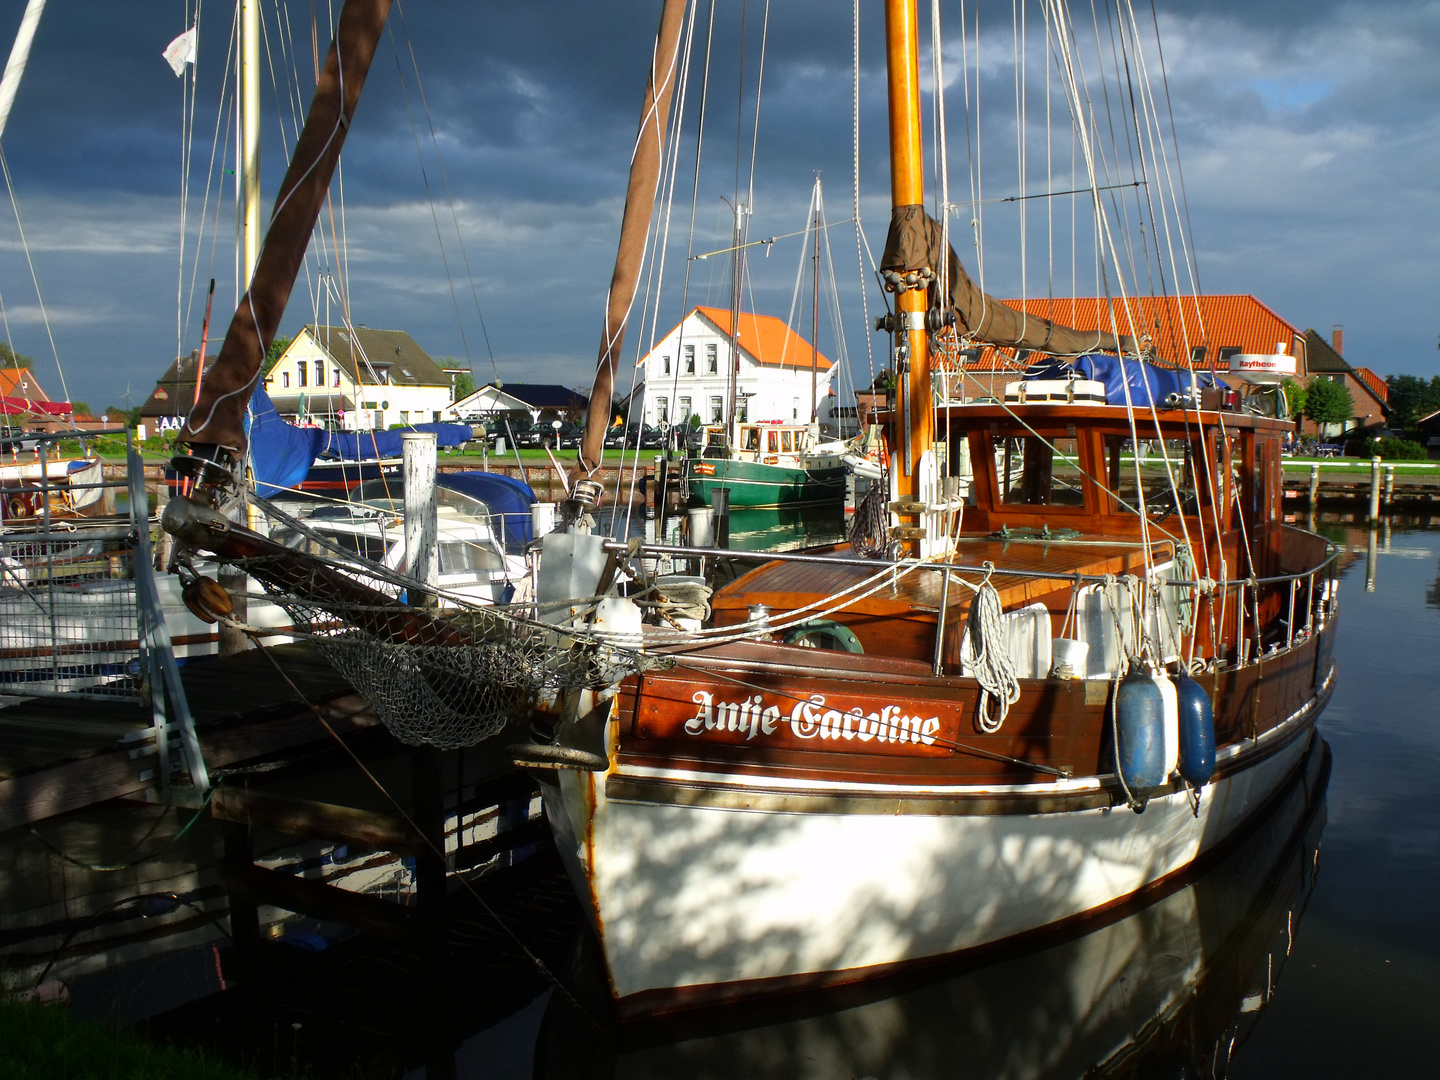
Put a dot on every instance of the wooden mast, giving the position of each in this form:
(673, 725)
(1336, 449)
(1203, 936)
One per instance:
(634, 226)
(215, 430)
(907, 188)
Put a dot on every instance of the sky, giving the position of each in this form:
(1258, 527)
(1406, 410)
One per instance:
(484, 175)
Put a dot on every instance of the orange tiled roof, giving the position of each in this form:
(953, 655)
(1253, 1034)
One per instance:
(1378, 386)
(10, 384)
(767, 339)
(1176, 325)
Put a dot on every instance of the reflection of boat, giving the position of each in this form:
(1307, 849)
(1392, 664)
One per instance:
(1169, 989)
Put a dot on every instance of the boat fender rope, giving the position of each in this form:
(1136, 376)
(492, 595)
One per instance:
(990, 662)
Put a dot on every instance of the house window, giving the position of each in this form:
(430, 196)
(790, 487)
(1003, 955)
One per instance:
(689, 359)
(285, 378)
(1226, 352)
(405, 416)
(319, 372)
(1197, 355)
(662, 410)
(682, 414)
(717, 408)
(667, 365)
(301, 370)
(742, 408)
(337, 377)
(795, 408)
(712, 360)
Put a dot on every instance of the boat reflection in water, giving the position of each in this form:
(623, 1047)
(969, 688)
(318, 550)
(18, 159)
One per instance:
(1171, 988)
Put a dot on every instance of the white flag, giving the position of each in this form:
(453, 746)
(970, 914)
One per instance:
(181, 51)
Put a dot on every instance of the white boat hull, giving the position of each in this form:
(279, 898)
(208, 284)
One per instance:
(694, 904)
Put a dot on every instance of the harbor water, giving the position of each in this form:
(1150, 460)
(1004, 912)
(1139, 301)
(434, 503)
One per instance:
(1310, 947)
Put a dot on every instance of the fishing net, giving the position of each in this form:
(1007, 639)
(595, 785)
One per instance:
(445, 678)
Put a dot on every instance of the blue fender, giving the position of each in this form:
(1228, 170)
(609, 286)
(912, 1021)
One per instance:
(1197, 732)
(1140, 723)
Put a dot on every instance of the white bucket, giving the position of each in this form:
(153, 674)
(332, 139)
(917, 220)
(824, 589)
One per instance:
(1069, 658)
(542, 518)
(702, 526)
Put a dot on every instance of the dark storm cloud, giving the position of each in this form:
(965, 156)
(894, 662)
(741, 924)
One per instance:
(1307, 135)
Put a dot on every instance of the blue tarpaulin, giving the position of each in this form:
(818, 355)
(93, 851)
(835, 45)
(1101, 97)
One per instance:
(1149, 385)
(281, 453)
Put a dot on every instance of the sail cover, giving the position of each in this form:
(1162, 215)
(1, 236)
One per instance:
(914, 243)
(1148, 384)
(281, 453)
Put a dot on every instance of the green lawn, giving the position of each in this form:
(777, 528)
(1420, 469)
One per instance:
(44, 1042)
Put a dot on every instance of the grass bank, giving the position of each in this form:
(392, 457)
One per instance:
(44, 1042)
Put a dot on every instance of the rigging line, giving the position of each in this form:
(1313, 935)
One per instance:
(955, 207)
(469, 887)
(768, 240)
(740, 98)
(1127, 46)
(759, 86)
(40, 299)
(1191, 262)
(942, 151)
(445, 182)
(800, 272)
(855, 190)
(429, 195)
(187, 132)
(222, 123)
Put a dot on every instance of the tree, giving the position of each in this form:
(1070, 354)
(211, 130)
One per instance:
(464, 385)
(1294, 398)
(1411, 397)
(81, 408)
(1328, 402)
(10, 358)
(276, 350)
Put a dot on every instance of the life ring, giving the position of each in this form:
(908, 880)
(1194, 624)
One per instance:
(824, 634)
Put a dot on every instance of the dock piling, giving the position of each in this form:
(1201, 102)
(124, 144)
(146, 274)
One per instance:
(1374, 489)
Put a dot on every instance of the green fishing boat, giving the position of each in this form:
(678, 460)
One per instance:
(772, 465)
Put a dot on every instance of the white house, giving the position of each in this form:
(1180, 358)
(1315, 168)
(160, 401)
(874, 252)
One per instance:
(688, 372)
(542, 401)
(359, 379)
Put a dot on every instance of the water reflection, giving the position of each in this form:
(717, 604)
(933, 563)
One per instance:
(1172, 988)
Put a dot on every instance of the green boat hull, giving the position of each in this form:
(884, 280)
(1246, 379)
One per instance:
(754, 485)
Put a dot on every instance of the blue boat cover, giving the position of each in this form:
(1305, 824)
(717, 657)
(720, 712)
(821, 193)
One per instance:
(509, 501)
(281, 453)
(1149, 385)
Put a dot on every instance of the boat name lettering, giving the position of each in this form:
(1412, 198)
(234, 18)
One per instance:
(809, 719)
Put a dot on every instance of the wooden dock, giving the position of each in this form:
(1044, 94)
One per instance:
(65, 752)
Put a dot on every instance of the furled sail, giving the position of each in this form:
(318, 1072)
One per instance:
(914, 245)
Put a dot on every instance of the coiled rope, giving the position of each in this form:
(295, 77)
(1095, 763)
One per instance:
(989, 661)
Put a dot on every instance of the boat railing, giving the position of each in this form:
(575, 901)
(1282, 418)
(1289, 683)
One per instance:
(1247, 598)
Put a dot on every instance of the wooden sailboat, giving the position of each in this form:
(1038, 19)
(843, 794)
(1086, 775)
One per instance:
(865, 765)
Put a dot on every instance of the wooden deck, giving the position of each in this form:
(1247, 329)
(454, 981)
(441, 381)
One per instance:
(61, 753)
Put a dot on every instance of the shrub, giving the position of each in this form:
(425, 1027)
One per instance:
(1400, 450)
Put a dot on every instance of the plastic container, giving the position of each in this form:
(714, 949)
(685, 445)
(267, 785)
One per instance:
(1069, 659)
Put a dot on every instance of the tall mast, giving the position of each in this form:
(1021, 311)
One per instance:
(815, 316)
(19, 57)
(248, 180)
(737, 288)
(907, 188)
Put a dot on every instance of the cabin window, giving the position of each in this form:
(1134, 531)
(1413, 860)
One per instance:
(1038, 471)
(786, 445)
(662, 410)
(285, 378)
(319, 372)
(467, 557)
(773, 442)
(712, 359)
(300, 370)
(717, 409)
(689, 359)
(1169, 473)
(750, 439)
(682, 413)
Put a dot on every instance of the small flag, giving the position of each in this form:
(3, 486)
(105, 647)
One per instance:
(180, 52)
